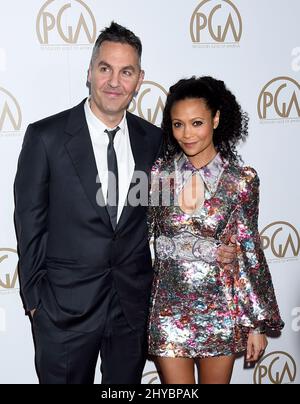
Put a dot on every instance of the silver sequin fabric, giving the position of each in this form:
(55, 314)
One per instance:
(198, 309)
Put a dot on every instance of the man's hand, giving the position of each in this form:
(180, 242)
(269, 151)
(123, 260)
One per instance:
(227, 254)
(32, 312)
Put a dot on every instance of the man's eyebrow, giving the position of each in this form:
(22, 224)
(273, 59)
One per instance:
(128, 67)
(102, 62)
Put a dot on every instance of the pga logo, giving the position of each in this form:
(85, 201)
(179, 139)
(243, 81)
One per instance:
(65, 22)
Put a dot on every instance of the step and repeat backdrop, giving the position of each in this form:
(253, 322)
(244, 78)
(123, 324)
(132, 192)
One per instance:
(254, 46)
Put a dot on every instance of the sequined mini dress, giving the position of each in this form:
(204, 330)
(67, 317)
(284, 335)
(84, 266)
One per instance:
(198, 309)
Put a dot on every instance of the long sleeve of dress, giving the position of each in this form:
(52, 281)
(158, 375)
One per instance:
(253, 292)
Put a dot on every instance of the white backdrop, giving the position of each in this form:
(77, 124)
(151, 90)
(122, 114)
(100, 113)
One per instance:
(254, 46)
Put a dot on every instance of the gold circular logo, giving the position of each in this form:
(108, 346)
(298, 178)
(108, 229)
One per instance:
(8, 269)
(275, 368)
(60, 22)
(150, 102)
(216, 22)
(10, 112)
(279, 99)
(281, 239)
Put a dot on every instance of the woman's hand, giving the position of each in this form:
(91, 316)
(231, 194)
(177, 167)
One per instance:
(256, 346)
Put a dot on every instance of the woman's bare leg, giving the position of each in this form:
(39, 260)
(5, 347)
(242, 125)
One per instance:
(176, 370)
(217, 370)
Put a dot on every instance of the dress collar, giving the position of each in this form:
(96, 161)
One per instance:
(210, 173)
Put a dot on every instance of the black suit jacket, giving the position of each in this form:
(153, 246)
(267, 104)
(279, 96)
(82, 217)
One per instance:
(70, 258)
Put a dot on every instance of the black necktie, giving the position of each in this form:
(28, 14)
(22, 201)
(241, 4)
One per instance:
(113, 183)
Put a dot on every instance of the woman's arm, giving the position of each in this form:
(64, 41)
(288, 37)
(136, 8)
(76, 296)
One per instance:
(253, 288)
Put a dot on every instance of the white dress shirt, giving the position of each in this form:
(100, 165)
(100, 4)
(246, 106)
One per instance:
(123, 152)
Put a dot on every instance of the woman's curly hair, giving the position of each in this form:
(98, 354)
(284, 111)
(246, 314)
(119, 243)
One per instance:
(233, 124)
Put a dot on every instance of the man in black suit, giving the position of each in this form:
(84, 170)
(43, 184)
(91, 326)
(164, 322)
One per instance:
(85, 265)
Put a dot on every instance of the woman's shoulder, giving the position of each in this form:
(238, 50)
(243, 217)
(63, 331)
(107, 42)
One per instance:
(249, 171)
(242, 178)
(246, 180)
(243, 173)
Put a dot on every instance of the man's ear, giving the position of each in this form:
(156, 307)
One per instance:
(140, 82)
(89, 76)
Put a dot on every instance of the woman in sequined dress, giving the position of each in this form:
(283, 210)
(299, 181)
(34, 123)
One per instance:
(200, 196)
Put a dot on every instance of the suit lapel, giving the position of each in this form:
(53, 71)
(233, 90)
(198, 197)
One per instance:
(80, 150)
(138, 143)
